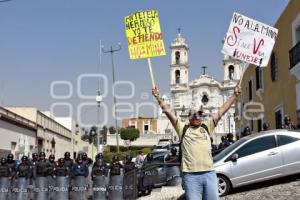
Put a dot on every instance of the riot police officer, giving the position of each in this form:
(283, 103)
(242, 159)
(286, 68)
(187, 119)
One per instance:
(5, 175)
(86, 160)
(52, 164)
(61, 175)
(100, 169)
(80, 171)
(116, 166)
(11, 163)
(68, 162)
(129, 182)
(116, 179)
(33, 161)
(40, 173)
(23, 173)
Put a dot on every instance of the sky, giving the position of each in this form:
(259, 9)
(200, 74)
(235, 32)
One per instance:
(45, 41)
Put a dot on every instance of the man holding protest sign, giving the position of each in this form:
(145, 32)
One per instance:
(199, 177)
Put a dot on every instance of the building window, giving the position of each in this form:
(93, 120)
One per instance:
(231, 72)
(274, 69)
(250, 90)
(177, 57)
(259, 77)
(13, 146)
(177, 76)
(278, 118)
(146, 127)
(204, 99)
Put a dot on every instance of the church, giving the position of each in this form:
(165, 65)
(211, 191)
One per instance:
(204, 92)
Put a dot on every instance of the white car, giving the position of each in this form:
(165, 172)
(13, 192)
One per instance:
(258, 157)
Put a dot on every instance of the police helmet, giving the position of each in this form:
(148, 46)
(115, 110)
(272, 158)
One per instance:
(115, 158)
(34, 155)
(10, 157)
(61, 161)
(3, 161)
(51, 157)
(67, 154)
(42, 154)
(24, 158)
(99, 156)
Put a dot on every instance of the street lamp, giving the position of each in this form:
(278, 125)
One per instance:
(111, 51)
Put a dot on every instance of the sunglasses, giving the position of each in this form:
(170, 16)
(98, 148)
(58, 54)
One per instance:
(196, 116)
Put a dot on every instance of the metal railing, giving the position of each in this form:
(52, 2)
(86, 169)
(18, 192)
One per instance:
(294, 55)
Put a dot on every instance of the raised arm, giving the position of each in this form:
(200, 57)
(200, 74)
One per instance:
(225, 107)
(165, 108)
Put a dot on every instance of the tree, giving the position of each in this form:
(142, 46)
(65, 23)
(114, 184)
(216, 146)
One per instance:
(130, 134)
(112, 130)
(90, 136)
(103, 132)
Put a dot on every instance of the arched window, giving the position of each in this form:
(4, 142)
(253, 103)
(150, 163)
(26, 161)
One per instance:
(177, 57)
(177, 76)
(204, 99)
(230, 72)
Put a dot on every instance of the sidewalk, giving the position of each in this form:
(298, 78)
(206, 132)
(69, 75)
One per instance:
(164, 193)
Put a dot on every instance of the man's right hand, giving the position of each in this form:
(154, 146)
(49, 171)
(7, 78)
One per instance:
(155, 92)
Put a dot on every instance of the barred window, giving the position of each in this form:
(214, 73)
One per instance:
(274, 67)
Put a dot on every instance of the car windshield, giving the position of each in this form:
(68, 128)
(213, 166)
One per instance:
(228, 149)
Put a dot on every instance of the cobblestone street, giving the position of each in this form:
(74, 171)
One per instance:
(281, 189)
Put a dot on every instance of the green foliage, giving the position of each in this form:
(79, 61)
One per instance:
(130, 134)
(111, 151)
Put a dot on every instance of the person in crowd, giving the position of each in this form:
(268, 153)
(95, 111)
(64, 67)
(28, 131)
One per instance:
(199, 178)
(68, 162)
(172, 157)
(288, 123)
(139, 159)
(230, 139)
(60, 169)
(224, 142)
(11, 163)
(100, 168)
(79, 168)
(5, 171)
(24, 169)
(128, 165)
(41, 168)
(266, 126)
(115, 167)
(86, 160)
(246, 131)
(52, 164)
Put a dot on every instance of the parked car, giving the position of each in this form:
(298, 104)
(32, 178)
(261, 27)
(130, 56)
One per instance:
(258, 157)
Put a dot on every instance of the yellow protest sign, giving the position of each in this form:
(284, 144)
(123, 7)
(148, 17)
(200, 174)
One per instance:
(143, 34)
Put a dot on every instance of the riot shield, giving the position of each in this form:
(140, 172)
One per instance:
(130, 185)
(61, 188)
(79, 188)
(116, 187)
(99, 188)
(41, 191)
(4, 187)
(20, 191)
(173, 176)
(51, 183)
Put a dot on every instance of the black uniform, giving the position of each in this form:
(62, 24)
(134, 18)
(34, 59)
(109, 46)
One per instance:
(24, 170)
(42, 168)
(115, 168)
(5, 171)
(101, 170)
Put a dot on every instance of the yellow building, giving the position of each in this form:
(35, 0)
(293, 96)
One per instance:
(272, 89)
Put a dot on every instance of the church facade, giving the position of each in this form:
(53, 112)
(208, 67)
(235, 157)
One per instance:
(205, 91)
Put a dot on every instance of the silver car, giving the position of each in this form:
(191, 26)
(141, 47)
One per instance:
(258, 157)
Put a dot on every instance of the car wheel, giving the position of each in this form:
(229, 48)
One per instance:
(224, 185)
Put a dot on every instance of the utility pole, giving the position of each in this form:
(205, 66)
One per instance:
(98, 100)
(112, 51)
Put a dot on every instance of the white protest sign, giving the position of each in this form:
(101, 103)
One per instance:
(249, 40)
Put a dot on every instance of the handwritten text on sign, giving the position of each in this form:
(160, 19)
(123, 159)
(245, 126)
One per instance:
(143, 34)
(249, 40)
